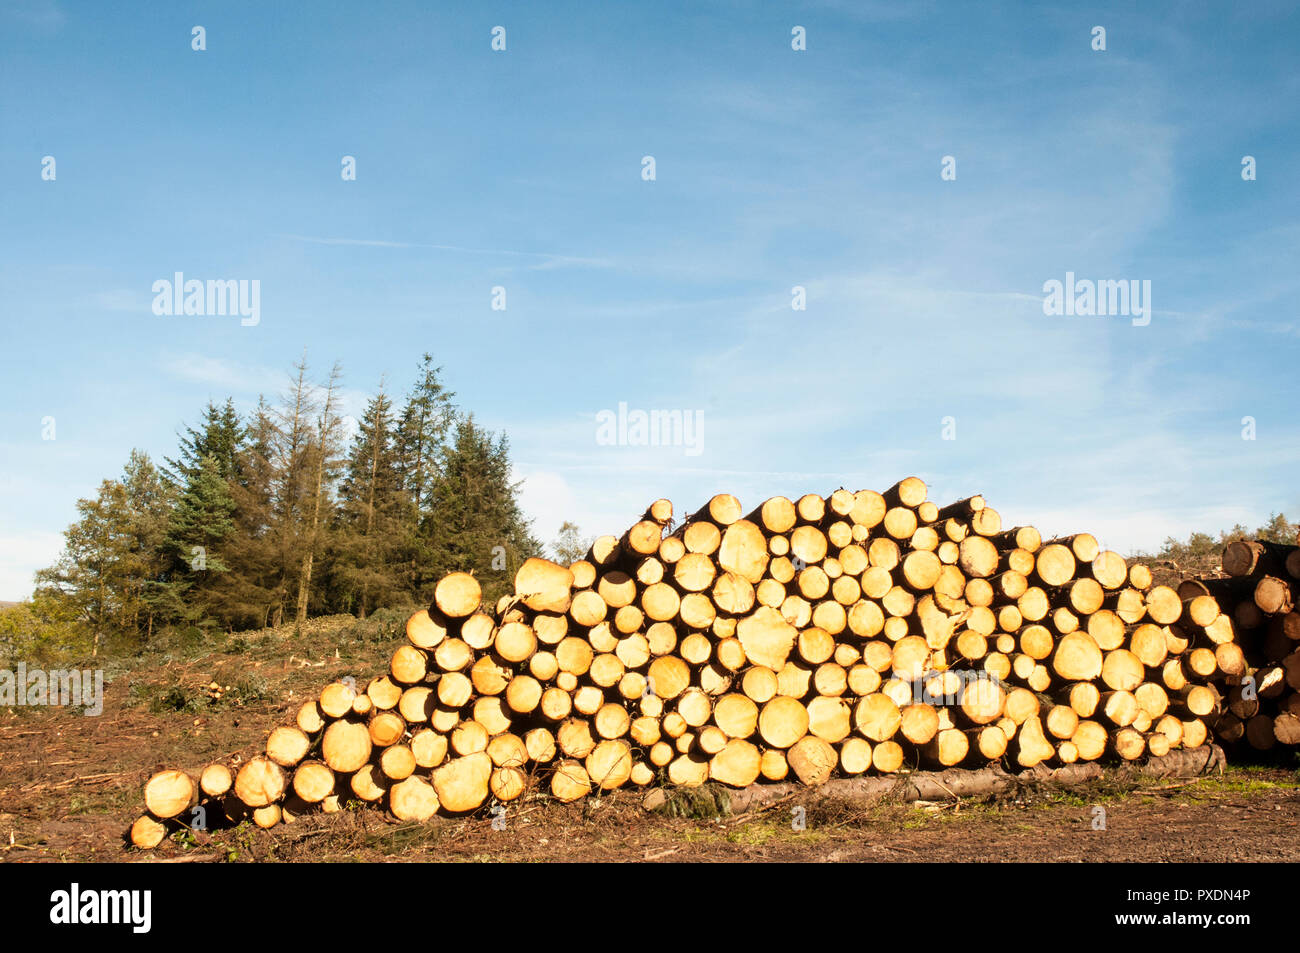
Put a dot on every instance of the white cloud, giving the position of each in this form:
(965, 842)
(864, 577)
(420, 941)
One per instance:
(549, 499)
(21, 554)
(231, 378)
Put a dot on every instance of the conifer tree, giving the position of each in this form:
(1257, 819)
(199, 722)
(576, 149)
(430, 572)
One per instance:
(370, 516)
(200, 523)
(422, 432)
(221, 436)
(255, 590)
(475, 511)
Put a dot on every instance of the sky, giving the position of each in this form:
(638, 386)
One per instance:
(922, 347)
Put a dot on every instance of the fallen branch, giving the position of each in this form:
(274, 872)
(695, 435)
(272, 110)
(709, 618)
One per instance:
(956, 783)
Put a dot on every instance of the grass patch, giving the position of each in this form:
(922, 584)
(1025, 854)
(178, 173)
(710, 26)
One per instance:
(404, 837)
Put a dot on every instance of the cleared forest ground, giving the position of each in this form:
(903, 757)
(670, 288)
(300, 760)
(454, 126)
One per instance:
(70, 785)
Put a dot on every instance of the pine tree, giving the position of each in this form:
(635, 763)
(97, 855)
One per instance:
(221, 437)
(370, 516)
(255, 590)
(426, 421)
(421, 439)
(200, 523)
(475, 512)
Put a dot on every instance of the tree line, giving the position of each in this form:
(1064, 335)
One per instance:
(1201, 551)
(279, 514)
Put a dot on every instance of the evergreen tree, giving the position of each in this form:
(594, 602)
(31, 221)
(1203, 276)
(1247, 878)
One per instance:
(475, 511)
(367, 554)
(221, 437)
(200, 523)
(256, 590)
(426, 421)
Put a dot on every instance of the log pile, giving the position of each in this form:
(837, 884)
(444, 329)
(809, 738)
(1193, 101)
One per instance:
(859, 633)
(1260, 596)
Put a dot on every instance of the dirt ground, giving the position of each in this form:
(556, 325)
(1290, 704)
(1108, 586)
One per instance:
(70, 785)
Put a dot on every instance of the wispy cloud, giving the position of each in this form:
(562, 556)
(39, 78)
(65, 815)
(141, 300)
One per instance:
(235, 379)
(546, 260)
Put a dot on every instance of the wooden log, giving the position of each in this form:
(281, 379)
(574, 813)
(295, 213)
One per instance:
(570, 781)
(287, 746)
(547, 587)
(1077, 658)
(776, 515)
(413, 799)
(1121, 670)
(336, 699)
(313, 781)
(1110, 570)
(345, 747)
(977, 557)
(642, 539)
(452, 655)
(1273, 596)
(661, 511)
(812, 759)
(1054, 564)
(147, 832)
(722, 509)
(462, 783)
(609, 765)
(1032, 744)
(170, 793)
(782, 721)
(457, 595)
(1246, 557)
(425, 631)
(261, 782)
(986, 522)
(216, 780)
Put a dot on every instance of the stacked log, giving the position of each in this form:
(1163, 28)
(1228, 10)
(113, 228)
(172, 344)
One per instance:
(857, 633)
(1257, 603)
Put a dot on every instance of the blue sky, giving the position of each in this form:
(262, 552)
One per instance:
(774, 168)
